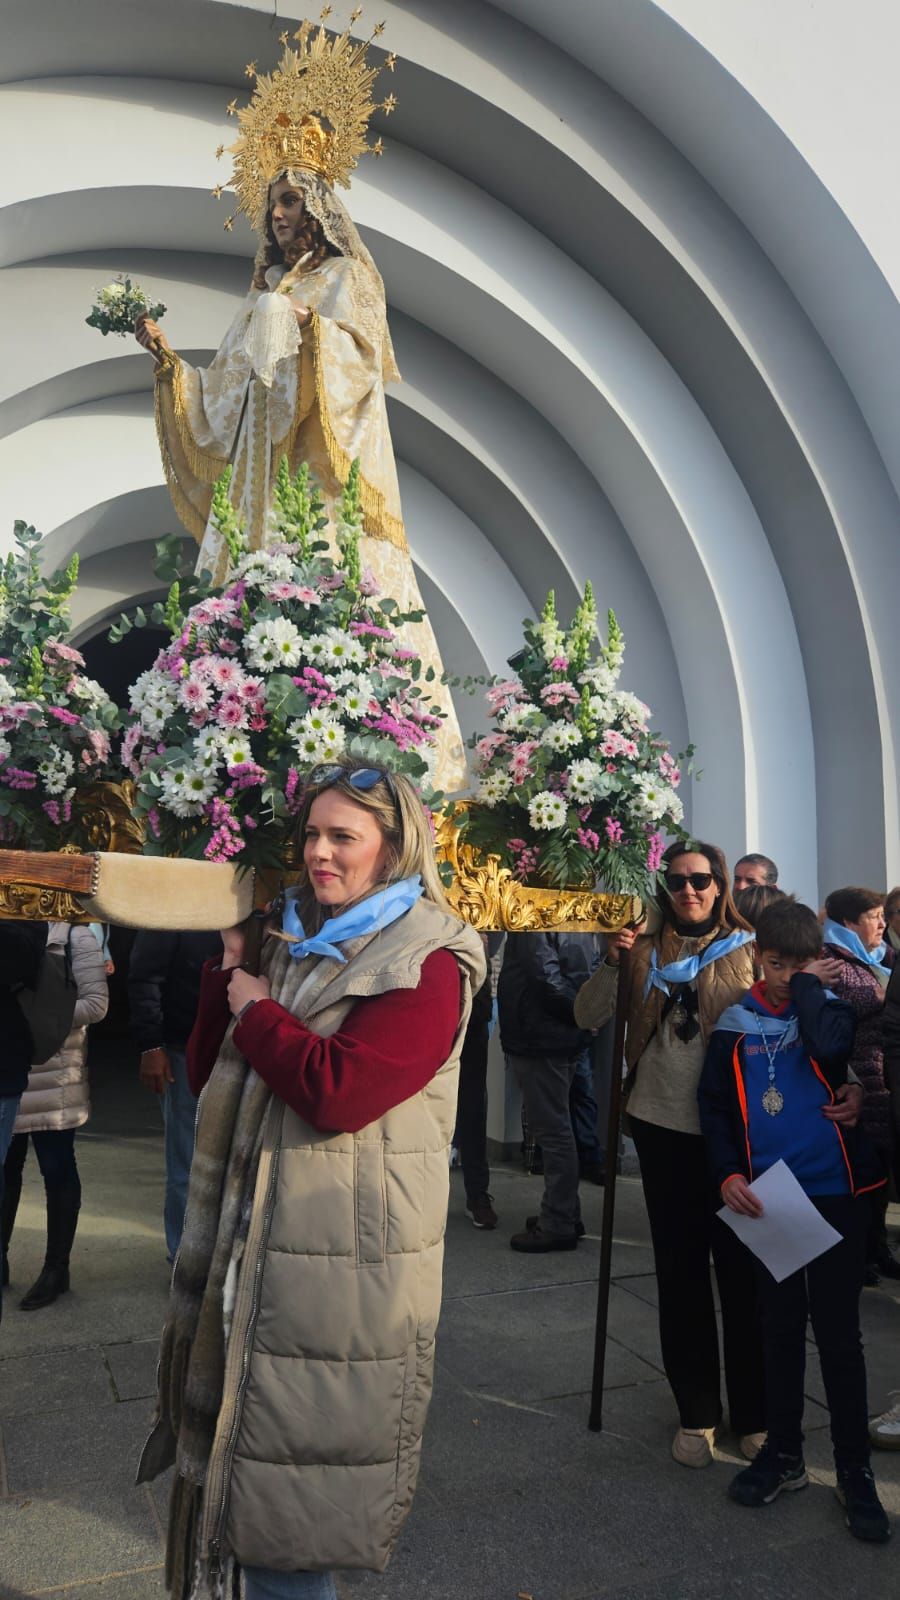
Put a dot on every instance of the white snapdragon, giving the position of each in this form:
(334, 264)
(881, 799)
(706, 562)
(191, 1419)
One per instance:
(274, 643)
(493, 788)
(546, 810)
(561, 736)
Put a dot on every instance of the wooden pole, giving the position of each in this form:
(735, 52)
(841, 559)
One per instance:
(613, 1124)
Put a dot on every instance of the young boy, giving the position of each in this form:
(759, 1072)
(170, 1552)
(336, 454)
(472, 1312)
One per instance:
(774, 1087)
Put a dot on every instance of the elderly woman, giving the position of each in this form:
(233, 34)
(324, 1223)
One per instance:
(296, 1365)
(854, 936)
(680, 981)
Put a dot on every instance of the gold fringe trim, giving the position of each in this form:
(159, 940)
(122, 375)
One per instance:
(377, 520)
(203, 464)
(186, 511)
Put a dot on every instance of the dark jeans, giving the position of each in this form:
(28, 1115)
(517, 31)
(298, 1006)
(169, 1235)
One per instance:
(55, 1151)
(583, 1109)
(681, 1205)
(545, 1082)
(471, 1110)
(827, 1291)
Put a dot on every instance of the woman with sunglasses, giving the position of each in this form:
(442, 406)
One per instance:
(680, 981)
(296, 1364)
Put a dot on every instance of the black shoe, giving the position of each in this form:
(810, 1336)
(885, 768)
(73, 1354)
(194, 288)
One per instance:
(534, 1222)
(593, 1172)
(871, 1276)
(534, 1241)
(482, 1210)
(52, 1282)
(762, 1482)
(865, 1516)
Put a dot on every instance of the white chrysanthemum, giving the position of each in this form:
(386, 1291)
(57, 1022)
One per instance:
(600, 677)
(274, 643)
(341, 649)
(493, 788)
(317, 736)
(674, 807)
(585, 780)
(265, 567)
(90, 693)
(237, 751)
(599, 708)
(357, 697)
(56, 771)
(186, 788)
(5, 749)
(209, 749)
(632, 711)
(546, 810)
(315, 650)
(561, 736)
(7, 692)
(651, 798)
(519, 714)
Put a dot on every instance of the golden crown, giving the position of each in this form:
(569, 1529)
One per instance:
(312, 113)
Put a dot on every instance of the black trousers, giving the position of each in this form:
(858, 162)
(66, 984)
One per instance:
(682, 1204)
(471, 1110)
(827, 1292)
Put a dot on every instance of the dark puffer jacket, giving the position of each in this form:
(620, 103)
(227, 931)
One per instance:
(21, 948)
(164, 985)
(541, 975)
(858, 985)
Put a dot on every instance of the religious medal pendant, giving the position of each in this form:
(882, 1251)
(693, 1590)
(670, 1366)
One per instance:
(773, 1100)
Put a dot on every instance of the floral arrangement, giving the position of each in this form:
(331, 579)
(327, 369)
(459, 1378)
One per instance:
(56, 724)
(573, 788)
(294, 661)
(118, 306)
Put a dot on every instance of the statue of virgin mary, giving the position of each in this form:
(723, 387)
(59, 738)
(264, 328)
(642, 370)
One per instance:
(302, 370)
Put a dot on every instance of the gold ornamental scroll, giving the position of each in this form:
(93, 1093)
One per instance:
(485, 894)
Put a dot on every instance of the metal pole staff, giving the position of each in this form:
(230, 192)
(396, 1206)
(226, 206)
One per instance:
(613, 1124)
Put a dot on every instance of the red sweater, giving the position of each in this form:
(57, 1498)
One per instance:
(389, 1047)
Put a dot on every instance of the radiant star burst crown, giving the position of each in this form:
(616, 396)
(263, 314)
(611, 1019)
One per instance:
(311, 113)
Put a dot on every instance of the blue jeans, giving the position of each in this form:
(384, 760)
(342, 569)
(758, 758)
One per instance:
(261, 1583)
(9, 1110)
(180, 1115)
(583, 1109)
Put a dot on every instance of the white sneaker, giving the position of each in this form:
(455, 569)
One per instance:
(884, 1431)
(693, 1447)
(750, 1445)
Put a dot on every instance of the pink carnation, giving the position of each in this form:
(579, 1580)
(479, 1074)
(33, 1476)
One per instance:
(64, 716)
(55, 653)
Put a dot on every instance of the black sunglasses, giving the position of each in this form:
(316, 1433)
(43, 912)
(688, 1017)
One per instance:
(358, 777)
(676, 881)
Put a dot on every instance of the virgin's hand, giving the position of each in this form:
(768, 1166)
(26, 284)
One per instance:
(233, 945)
(149, 334)
(847, 1105)
(739, 1197)
(244, 987)
(303, 315)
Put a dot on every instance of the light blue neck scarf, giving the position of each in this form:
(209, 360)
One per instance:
(846, 939)
(686, 970)
(740, 1019)
(378, 911)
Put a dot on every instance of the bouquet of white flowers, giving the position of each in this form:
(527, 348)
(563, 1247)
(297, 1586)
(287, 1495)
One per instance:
(292, 662)
(574, 790)
(118, 306)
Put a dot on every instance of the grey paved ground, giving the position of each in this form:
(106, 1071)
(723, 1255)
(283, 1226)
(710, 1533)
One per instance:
(517, 1498)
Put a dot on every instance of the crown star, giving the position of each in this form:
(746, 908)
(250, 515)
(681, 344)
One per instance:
(250, 70)
(325, 13)
(220, 151)
(231, 109)
(283, 37)
(378, 30)
(218, 191)
(377, 148)
(390, 61)
(355, 15)
(389, 104)
(228, 224)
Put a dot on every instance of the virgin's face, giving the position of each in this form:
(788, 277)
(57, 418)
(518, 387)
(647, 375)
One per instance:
(870, 927)
(344, 850)
(689, 903)
(286, 210)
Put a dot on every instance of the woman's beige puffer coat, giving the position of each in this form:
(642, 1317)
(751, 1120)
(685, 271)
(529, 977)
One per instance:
(58, 1094)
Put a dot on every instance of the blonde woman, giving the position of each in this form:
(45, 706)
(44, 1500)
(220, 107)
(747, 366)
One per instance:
(297, 1362)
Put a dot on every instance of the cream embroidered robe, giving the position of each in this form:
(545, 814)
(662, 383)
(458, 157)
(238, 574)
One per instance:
(325, 406)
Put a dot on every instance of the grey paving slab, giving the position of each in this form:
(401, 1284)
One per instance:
(133, 1368)
(50, 1451)
(77, 1537)
(34, 1383)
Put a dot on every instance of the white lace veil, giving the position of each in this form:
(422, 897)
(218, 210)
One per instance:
(340, 231)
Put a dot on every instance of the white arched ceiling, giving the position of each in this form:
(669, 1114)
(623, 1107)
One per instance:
(619, 364)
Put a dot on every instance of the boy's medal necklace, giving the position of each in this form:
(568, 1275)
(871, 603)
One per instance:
(773, 1099)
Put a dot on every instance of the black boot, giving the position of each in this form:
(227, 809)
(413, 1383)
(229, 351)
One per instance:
(63, 1204)
(12, 1189)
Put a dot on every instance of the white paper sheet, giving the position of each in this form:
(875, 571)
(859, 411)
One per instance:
(791, 1232)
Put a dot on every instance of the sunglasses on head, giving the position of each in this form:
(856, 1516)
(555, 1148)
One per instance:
(357, 777)
(676, 881)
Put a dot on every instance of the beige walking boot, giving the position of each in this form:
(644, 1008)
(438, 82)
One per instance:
(693, 1447)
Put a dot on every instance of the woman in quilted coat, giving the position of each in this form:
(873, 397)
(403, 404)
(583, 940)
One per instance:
(55, 1103)
(296, 1364)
